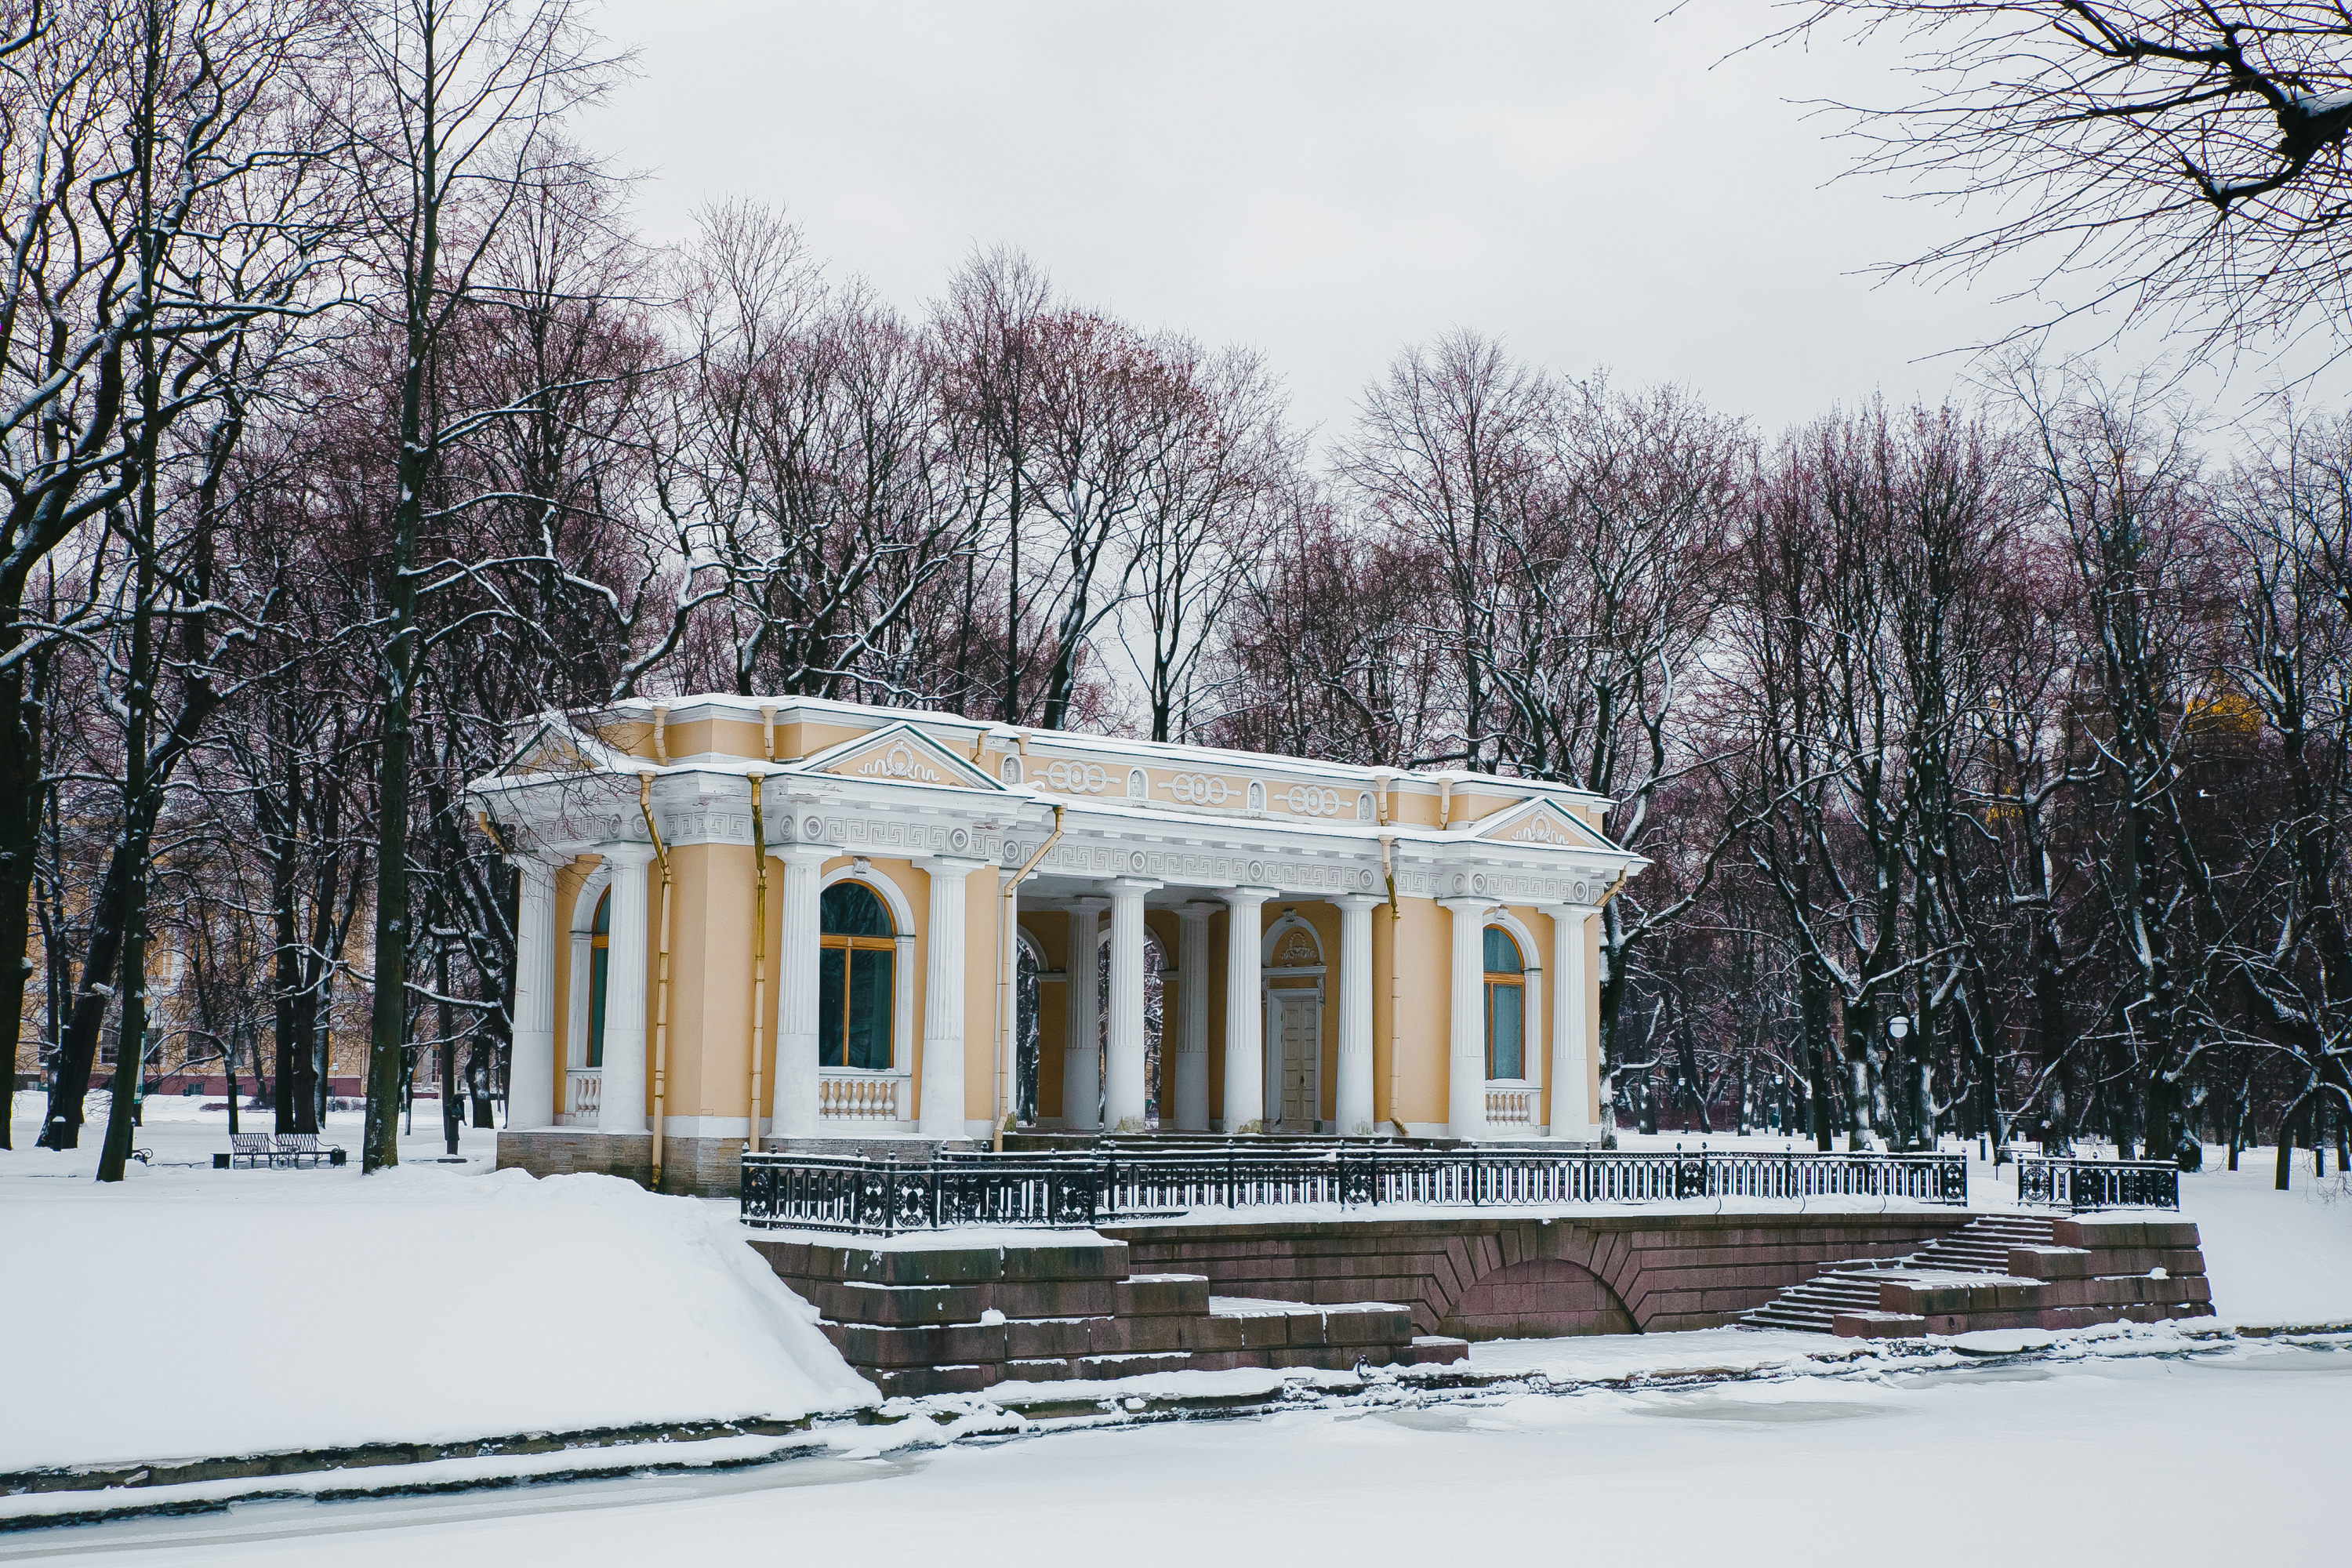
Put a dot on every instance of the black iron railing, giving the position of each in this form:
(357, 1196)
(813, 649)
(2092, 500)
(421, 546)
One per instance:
(2080, 1184)
(1080, 1188)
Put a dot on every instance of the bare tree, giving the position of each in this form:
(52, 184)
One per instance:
(1447, 444)
(2183, 157)
(451, 104)
(1210, 501)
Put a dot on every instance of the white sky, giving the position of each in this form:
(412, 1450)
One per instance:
(1594, 184)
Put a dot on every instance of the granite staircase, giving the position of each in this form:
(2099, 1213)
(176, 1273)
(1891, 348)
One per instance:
(1812, 1307)
(2006, 1271)
(940, 1314)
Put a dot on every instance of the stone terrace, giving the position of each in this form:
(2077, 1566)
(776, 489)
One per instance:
(1508, 1275)
(944, 1316)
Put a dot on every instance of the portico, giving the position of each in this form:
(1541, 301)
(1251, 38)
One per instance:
(970, 928)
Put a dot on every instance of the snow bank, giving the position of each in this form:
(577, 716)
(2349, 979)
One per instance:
(2274, 1256)
(191, 1315)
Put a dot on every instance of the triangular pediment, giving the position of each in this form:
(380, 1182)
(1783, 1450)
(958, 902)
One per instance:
(553, 746)
(1542, 822)
(899, 754)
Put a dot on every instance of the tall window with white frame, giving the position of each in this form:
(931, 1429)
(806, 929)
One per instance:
(599, 963)
(1506, 1006)
(855, 956)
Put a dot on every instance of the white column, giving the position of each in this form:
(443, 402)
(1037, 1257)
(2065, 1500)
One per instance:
(1353, 1102)
(1466, 1075)
(531, 1079)
(582, 992)
(796, 969)
(1082, 1051)
(1571, 1048)
(1193, 1019)
(1245, 1018)
(1126, 1093)
(621, 1102)
(943, 988)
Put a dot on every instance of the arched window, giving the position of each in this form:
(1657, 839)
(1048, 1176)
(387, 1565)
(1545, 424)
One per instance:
(1506, 1006)
(854, 978)
(599, 962)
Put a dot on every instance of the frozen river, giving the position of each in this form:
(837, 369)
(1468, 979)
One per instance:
(2235, 1457)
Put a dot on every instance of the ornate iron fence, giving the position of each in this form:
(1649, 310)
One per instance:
(1080, 1188)
(2080, 1184)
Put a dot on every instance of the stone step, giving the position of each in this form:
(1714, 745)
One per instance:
(1852, 1291)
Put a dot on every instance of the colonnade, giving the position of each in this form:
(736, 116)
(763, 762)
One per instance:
(1099, 1085)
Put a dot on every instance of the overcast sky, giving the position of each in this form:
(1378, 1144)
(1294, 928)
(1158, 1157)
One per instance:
(1594, 184)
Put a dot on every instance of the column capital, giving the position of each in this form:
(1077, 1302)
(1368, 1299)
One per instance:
(1201, 909)
(1360, 901)
(1464, 905)
(805, 854)
(1135, 887)
(1087, 903)
(1565, 908)
(623, 852)
(1251, 895)
(949, 865)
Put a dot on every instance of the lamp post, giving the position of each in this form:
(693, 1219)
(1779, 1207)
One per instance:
(1898, 1028)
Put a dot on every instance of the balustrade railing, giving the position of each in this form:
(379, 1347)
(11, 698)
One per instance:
(2078, 1186)
(858, 1099)
(583, 1094)
(1088, 1188)
(1511, 1105)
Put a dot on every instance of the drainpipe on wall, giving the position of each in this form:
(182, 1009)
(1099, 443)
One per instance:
(661, 741)
(759, 948)
(1007, 948)
(1445, 803)
(661, 973)
(768, 745)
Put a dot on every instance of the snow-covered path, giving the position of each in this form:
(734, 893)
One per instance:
(2227, 1459)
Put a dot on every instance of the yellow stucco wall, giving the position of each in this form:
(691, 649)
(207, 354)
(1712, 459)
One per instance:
(1424, 1004)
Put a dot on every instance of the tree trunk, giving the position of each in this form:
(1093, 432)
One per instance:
(2286, 1143)
(78, 1047)
(1813, 1012)
(20, 832)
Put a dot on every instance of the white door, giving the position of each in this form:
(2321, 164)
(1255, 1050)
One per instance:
(1302, 1062)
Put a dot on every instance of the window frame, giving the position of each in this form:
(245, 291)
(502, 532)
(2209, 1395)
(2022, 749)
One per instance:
(849, 947)
(600, 978)
(1496, 980)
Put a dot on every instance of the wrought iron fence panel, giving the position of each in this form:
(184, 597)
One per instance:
(2079, 1186)
(1086, 1188)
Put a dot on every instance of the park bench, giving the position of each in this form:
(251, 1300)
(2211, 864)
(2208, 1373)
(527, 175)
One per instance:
(295, 1148)
(252, 1150)
(248, 1149)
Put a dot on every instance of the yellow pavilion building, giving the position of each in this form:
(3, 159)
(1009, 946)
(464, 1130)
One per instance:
(830, 924)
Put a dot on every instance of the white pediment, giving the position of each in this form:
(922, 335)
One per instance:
(1541, 823)
(899, 754)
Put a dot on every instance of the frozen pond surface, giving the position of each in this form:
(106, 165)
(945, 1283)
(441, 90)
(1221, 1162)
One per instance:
(2225, 1458)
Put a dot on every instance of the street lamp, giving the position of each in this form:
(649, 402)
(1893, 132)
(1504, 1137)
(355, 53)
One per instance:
(1898, 1025)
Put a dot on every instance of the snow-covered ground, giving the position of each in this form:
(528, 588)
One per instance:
(2223, 1459)
(190, 1313)
(285, 1310)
